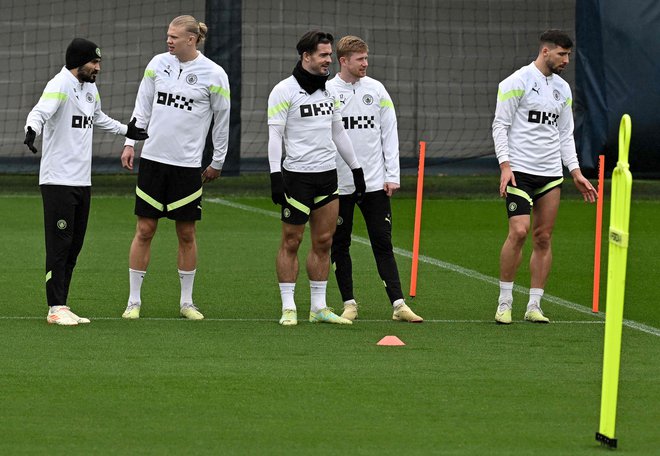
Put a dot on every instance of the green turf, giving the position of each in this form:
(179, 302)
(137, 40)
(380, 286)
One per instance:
(238, 383)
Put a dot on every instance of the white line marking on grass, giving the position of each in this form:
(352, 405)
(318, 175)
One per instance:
(460, 270)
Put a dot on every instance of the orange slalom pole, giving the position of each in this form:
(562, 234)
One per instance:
(599, 229)
(418, 219)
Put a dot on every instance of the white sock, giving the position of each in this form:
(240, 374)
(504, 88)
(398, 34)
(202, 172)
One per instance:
(187, 279)
(135, 279)
(317, 289)
(286, 292)
(398, 302)
(535, 295)
(506, 292)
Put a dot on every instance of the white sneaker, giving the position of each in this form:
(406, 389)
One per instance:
(62, 315)
(401, 312)
(350, 310)
(132, 311)
(191, 312)
(535, 314)
(503, 313)
(80, 320)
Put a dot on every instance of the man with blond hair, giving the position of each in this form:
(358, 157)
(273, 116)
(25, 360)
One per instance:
(370, 121)
(181, 93)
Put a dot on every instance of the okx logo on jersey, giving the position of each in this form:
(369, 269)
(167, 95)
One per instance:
(176, 101)
(82, 121)
(353, 122)
(548, 118)
(316, 109)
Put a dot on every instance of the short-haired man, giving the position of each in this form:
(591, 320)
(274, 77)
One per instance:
(307, 116)
(370, 121)
(66, 114)
(533, 134)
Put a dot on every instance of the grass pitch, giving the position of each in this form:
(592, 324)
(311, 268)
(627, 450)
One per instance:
(238, 383)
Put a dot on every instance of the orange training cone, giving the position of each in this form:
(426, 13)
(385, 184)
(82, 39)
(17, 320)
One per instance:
(390, 340)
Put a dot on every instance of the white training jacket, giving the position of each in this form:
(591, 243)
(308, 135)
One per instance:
(306, 122)
(175, 103)
(65, 115)
(370, 121)
(533, 125)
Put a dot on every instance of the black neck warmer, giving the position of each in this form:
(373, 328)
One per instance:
(308, 81)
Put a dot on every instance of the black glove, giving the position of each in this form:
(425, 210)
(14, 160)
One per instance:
(133, 132)
(277, 188)
(30, 136)
(360, 185)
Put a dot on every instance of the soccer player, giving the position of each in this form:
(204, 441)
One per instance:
(370, 121)
(181, 92)
(533, 135)
(66, 114)
(307, 116)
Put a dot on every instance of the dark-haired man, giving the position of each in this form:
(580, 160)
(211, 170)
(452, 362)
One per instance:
(304, 114)
(533, 134)
(69, 108)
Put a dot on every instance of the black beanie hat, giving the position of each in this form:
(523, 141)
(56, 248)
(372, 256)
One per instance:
(81, 51)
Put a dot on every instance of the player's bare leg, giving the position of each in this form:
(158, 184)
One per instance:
(322, 222)
(140, 252)
(544, 216)
(510, 258)
(138, 260)
(187, 264)
(286, 265)
(287, 257)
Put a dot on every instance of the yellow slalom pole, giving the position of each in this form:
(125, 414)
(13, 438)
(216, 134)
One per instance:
(616, 285)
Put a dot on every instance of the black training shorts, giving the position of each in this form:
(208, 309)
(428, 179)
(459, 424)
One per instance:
(306, 192)
(529, 188)
(168, 191)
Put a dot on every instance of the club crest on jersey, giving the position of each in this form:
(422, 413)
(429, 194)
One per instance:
(326, 93)
(89, 97)
(191, 79)
(555, 93)
(367, 99)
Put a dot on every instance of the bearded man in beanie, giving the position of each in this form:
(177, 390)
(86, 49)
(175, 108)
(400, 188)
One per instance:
(69, 108)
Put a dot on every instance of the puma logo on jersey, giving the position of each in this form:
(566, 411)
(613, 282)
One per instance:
(540, 117)
(537, 90)
(359, 122)
(176, 101)
(316, 109)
